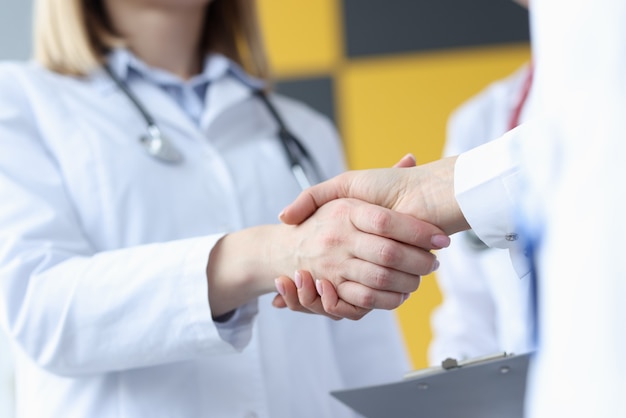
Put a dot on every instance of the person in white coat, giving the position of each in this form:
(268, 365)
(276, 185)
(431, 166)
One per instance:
(141, 172)
(485, 305)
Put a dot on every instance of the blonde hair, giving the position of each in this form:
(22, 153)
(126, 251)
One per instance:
(73, 36)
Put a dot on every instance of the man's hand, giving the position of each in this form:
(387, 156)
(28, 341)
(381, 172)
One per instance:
(426, 192)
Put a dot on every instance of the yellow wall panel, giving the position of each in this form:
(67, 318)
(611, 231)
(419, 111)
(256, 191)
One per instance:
(414, 317)
(302, 38)
(390, 106)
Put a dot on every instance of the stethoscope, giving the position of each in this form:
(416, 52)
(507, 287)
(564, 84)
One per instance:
(159, 147)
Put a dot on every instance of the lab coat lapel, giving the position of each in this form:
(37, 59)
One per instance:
(221, 95)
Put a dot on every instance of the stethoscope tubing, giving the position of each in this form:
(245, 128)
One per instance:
(294, 150)
(160, 148)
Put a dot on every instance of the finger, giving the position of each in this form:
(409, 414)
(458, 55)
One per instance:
(336, 306)
(279, 302)
(314, 197)
(377, 277)
(288, 293)
(391, 255)
(308, 295)
(364, 297)
(329, 303)
(332, 306)
(397, 226)
(291, 295)
(406, 161)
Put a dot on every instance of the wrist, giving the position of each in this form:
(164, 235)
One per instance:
(238, 270)
(449, 216)
(429, 196)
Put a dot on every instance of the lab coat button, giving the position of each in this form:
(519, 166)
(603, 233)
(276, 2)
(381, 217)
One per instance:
(511, 236)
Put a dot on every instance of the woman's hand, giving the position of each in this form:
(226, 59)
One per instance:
(380, 276)
(371, 255)
(303, 294)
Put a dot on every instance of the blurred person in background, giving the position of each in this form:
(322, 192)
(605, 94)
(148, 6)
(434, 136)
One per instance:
(485, 306)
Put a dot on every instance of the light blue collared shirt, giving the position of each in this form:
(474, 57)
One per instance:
(191, 95)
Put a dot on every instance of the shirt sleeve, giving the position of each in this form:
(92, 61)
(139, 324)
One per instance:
(488, 183)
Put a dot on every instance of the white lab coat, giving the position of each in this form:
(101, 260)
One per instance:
(103, 253)
(485, 304)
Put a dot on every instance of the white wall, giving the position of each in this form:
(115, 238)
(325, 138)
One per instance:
(15, 29)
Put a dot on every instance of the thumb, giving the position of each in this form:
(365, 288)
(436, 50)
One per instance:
(406, 161)
(313, 198)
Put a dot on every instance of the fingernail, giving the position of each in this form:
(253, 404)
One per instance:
(411, 156)
(297, 278)
(318, 286)
(279, 287)
(281, 214)
(405, 296)
(436, 265)
(440, 241)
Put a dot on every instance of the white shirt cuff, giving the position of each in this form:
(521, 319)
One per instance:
(486, 183)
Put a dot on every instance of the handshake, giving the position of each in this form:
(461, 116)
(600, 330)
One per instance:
(405, 212)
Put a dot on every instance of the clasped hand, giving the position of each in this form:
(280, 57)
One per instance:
(395, 250)
(370, 256)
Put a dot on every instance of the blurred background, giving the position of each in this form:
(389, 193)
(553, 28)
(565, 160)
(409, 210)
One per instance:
(387, 72)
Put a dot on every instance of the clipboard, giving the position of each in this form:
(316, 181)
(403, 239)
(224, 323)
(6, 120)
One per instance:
(486, 387)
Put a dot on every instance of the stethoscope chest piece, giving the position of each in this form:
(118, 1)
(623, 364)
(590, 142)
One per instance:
(159, 147)
(155, 144)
